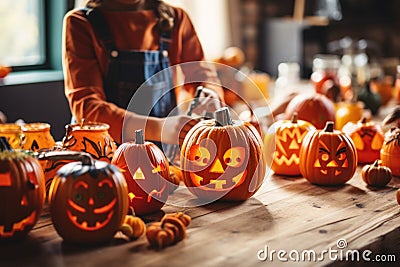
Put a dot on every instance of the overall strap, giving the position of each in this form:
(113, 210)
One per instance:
(100, 27)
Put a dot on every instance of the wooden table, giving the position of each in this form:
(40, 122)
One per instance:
(285, 214)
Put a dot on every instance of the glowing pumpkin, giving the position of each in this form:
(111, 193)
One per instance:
(146, 171)
(22, 192)
(368, 139)
(88, 198)
(328, 157)
(222, 159)
(287, 135)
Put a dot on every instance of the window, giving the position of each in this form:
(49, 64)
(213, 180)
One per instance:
(22, 41)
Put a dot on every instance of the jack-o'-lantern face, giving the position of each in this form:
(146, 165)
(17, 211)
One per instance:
(330, 161)
(90, 206)
(288, 143)
(366, 139)
(217, 170)
(21, 195)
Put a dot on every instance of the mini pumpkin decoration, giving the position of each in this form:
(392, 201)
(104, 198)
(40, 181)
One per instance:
(133, 227)
(88, 198)
(223, 159)
(146, 171)
(328, 156)
(287, 135)
(169, 231)
(316, 109)
(390, 152)
(367, 137)
(376, 175)
(22, 191)
(398, 196)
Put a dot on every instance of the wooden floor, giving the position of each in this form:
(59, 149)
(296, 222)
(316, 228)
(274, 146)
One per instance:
(285, 214)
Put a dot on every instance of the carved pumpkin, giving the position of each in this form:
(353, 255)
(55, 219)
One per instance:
(287, 135)
(328, 157)
(88, 198)
(367, 137)
(146, 171)
(316, 109)
(90, 137)
(376, 175)
(222, 159)
(22, 192)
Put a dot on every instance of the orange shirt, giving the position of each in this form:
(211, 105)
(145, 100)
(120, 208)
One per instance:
(85, 59)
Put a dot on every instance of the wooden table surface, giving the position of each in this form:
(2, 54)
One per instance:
(285, 214)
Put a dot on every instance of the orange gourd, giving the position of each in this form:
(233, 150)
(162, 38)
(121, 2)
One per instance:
(223, 159)
(328, 157)
(133, 227)
(316, 109)
(376, 175)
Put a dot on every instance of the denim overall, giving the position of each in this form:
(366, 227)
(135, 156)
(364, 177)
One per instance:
(133, 73)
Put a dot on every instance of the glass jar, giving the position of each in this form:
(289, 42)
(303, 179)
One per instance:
(325, 75)
(90, 137)
(13, 133)
(37, 136)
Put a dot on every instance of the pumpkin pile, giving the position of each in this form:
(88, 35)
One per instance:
(169, 231)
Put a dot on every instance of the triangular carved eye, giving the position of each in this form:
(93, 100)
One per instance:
(138, 175)
(358, 141)
(377, 142)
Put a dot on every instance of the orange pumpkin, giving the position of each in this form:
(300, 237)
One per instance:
(88, 198)
(368, 139)
(287, 136)
(376, 175)
(146, 171)
(22, 192)
(328, 157)
(390, 152)
(222, 159)
(316, 109)
(398, 196)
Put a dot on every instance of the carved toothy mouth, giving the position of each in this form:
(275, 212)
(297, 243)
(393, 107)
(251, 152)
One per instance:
(18, 226)
(218, 184)
(86, 226)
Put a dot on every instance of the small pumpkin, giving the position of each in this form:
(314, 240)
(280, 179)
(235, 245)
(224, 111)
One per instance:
(133, 227)
(88, 198)
(368, 139)
(316, 109)
(328, 156)
(223, 159)
(285, 138)
(146, 170)
(376, 175)
(22, 191)
(398, 196)
(184, 218)
(169, 231)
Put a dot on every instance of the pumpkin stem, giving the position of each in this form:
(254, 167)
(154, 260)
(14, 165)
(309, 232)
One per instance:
(83, 157)
(223, 117)
(376, 163)
(139, 137)
(295, 117)
(4, 145)
(329, 127)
